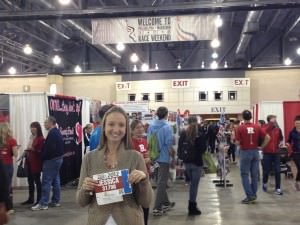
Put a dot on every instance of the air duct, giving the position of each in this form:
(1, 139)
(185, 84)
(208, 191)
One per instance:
(251, 27)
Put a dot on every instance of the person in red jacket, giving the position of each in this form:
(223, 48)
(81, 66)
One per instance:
(139, 143)
(34, 162)
(270, 153)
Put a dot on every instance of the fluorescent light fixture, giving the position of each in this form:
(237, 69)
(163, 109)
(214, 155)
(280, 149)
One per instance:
(218, 21)
(225, 64)
(56, 60)
(214, 65)
(64, 2)
(134, 58)
(120, 47)
(134, 68)
(179, 66)
(77, 69)
(202, 65)
(287, 61)
(298, 51)
(215, 55)
(215, 43)
(27, 49)
(12, 70)
(145, 67)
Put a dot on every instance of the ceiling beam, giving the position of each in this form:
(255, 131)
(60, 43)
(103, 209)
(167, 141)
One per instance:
(175, 9)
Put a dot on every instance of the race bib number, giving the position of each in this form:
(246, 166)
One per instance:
(112, 186)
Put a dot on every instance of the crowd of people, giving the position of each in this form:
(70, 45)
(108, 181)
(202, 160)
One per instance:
(119, 146)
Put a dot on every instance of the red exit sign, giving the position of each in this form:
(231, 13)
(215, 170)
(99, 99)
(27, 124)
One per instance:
(241, 82)
(180, 83)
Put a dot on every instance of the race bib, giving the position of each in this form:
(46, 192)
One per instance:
(112, 186)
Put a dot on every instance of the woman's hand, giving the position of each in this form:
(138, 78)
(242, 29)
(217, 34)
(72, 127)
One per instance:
(136, 176)
(89, 184)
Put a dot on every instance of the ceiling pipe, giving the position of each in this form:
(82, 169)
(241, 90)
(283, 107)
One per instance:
(251, 26)
(87, 35)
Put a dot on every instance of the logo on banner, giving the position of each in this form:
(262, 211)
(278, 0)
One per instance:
(112, 186)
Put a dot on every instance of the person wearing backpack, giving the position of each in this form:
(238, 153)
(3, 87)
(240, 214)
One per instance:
(164, 134)
(191, 146)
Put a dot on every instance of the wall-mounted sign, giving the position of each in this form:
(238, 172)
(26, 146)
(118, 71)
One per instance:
(154, 29)
(123, 86)
(218, 109)
(241, 82)
(181, 83)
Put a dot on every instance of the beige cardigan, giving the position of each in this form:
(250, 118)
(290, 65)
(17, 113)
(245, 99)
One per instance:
(128, 212)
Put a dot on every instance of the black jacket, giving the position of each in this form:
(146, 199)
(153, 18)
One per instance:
(53, 146)
(198, 147)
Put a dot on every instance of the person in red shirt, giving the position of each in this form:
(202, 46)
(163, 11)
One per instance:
(8, 150)
(34, 162)
(247, 136)
(139, 143)
(270, 153)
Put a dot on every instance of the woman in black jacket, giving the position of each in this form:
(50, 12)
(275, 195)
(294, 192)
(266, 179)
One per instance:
(191, 146)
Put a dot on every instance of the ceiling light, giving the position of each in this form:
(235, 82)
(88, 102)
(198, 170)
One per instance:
(202, 65)
(77, 69)
(134, 68)
(225, 64)
(214, 65)
(64, 2)
(298, 51)
(249, 65)
(114, 70)
(156, 66)
(218, 21)
(27, 49)
(145, 67)
(134, 58)
(12, 70)
(215, 55)
(287, 61)
(56, 60)
(120, 47)
(215, 43)
(179, 66)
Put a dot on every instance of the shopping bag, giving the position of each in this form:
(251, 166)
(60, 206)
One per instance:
(209, 162)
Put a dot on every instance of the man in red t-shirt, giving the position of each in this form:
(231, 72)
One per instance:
(247, 137)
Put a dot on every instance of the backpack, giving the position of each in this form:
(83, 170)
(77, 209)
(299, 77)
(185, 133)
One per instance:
(185, 150)
(153, 147)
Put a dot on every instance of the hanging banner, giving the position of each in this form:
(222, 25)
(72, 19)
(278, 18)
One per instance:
(4, 108)
(154, 29)
(67, 112)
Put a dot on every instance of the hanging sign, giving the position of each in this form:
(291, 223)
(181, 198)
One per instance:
(154, 29)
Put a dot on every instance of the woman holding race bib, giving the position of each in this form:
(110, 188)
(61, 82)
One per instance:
(98, 187)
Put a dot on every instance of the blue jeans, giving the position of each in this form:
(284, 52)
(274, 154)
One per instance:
(9, 170)
(51, 178)
(194, 173)
(249, 166)
(268, 161)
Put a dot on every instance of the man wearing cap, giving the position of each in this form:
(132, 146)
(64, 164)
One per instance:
(95, 136)
(247, 137)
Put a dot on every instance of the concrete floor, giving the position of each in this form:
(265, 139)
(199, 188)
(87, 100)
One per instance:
(219, 206)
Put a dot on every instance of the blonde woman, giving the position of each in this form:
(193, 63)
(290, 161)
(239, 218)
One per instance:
(114, 154)
(8, 150)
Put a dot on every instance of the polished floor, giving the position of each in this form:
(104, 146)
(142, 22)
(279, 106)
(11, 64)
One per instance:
(219, 206)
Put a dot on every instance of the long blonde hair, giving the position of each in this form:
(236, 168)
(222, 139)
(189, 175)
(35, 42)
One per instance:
(5, 133)
(127, 138)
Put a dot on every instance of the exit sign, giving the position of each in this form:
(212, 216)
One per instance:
(180, 83)
(241, 82)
